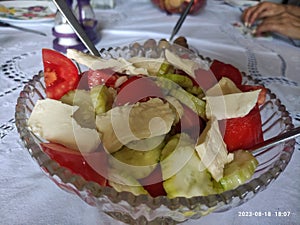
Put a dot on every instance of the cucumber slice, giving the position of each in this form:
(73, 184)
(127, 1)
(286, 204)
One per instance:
(122, 181)
(76, 97)
(193, 102)
(169, 147)
(165, 68)
(192, 180)
(102, 99)
(138, 162)
(196, 90)
(85, 115)
(68, 98)
(187, 177)
(181, 80)
(239, 170)
(173, 89)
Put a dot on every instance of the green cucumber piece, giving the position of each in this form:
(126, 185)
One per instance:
(193, 102)
(183, 172)
(179, 79)
(192, 180)
(169, 147)
(179, 149)
(76, 97)
(196, 104)
(165, 68)
(102, 99)
(139, 162)
(239, 170)
(85, 114)
(196, 90)
(122, 181)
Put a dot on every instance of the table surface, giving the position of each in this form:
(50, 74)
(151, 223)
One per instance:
(27, 196)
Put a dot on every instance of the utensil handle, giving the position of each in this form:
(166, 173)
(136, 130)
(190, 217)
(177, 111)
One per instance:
(21, 28)
(293, 133)
(181, 19)
(74, 23)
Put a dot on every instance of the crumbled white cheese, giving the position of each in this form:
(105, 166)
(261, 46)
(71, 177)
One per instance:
(187, 65)
(225, 100)
(231, 105)
(53, 121)
(96, 63)
(152, 65)
(225, 86)
(212, 149)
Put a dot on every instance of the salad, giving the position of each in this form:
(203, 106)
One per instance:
(168, 126)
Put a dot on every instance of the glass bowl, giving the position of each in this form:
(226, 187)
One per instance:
(144, 209)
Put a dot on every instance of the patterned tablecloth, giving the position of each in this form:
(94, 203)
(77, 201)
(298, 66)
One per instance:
(27, 196)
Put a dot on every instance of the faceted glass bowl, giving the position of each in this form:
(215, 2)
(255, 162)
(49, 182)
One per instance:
(143, 209)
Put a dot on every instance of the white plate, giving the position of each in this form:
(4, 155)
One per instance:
(24, 12)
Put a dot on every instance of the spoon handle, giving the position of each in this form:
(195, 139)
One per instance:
(72, 20)
(293, 133)
(181, 19)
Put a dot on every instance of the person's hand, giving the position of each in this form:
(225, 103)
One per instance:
(285, 23)
(260, 11)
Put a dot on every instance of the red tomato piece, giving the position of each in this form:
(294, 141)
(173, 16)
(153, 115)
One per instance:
(60, 74)
(221, 69)
(91, 166)
(153, 183)
(243, 132)
(137, 89)
(106, 77)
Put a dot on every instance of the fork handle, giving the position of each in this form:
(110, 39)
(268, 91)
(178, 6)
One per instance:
(293, 133)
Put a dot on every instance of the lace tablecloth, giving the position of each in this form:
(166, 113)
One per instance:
(28, 197)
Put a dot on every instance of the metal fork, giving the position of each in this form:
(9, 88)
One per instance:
(3, 24)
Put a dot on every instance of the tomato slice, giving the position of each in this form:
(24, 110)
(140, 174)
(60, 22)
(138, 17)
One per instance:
(208, 78)
(91, 166)
(106, 77)
(243, 132)
(153, 183)
(221, 69)
(137, 89)
(60, 73)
